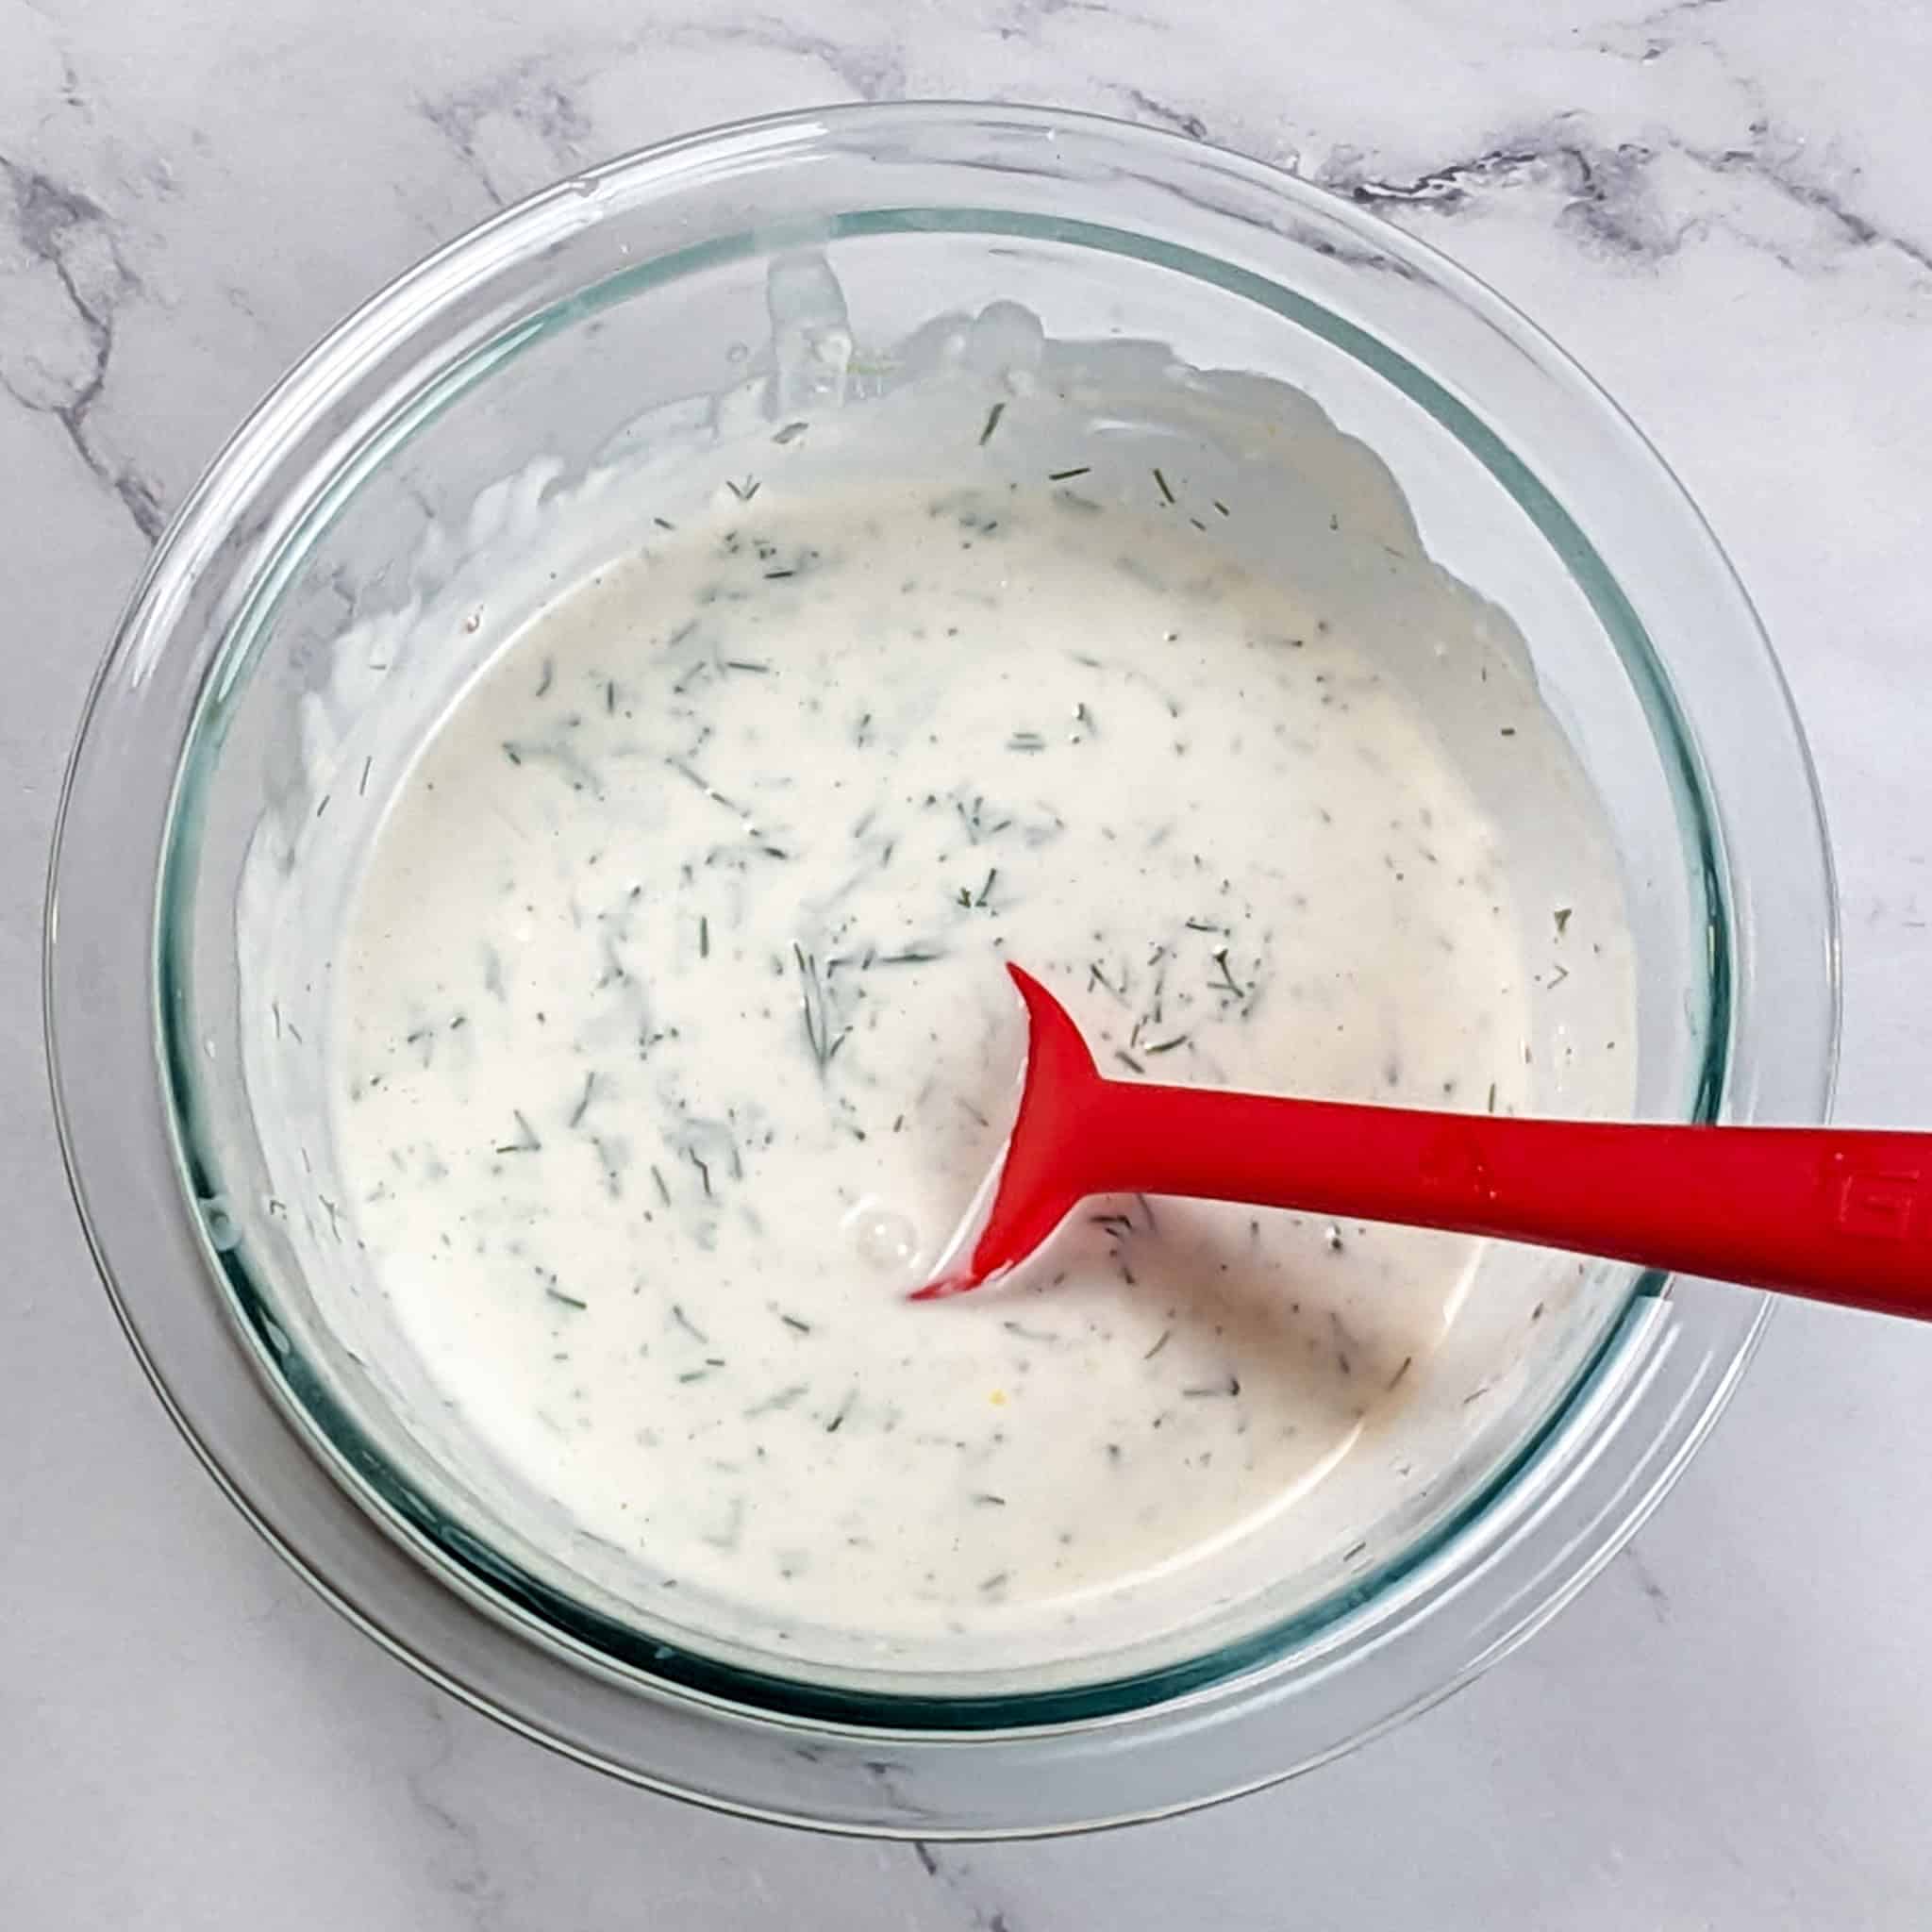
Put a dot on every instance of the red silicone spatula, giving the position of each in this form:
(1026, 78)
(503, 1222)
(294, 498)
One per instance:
(1841, 1215)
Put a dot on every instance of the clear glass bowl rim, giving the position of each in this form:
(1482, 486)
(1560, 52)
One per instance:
(405, 308)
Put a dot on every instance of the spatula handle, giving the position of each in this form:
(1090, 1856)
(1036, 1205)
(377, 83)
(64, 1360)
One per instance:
(1837, 1214)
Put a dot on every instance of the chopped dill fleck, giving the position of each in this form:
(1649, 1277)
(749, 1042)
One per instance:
(1231, 1387)
(1045, 1336)
(1068, 475)
(743, 492)
(1166, 1045)
(1561, 915)
(704, 785)
(993, 423)
(703, 938)
(570, 1301)
(797, 1323)
(845, 1408)
(583, 1106)
(1128, 1060)
(783, 1398)
(1166, 1335)
(1165, 489)
(823, 1044)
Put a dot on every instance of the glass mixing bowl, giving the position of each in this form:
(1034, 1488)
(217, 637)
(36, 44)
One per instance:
(727, 285)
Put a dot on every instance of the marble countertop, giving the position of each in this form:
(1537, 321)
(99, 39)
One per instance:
(1722, 208)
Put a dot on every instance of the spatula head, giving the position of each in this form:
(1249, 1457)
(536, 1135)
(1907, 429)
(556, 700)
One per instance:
(1038, 1180)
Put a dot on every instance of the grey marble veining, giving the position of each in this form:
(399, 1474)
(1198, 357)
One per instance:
(71, 272)
(1724, 208)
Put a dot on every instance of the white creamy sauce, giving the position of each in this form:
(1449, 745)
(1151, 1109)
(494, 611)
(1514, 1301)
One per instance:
(672, 1039)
